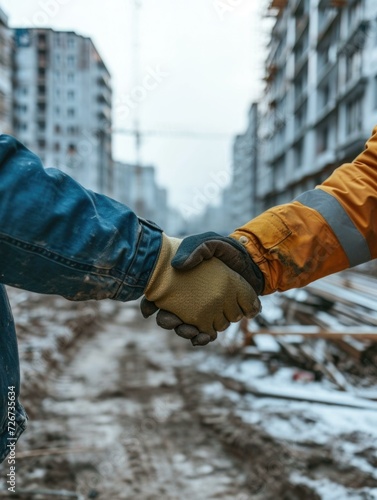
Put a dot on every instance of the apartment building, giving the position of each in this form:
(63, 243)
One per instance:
(245, 160)
(320, 103)
(136, 187)
(62, 104)
(5, 75)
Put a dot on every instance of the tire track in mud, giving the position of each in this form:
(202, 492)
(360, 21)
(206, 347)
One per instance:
(122, 410)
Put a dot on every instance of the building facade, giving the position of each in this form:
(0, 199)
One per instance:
(5, 75)
(244, 175)
(136, 187)
(320, 102)
(62, 104)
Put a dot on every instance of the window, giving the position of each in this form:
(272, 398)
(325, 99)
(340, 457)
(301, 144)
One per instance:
(41, 143)
(72, 130)
(301, 83)
(354, 13)
(57, 59)
(300, 117)
(353, 65)
(298, 152)
(323, 139)
(71, 77)
(71, 95)
(41, 126)
(41, 38)
(323, 56)
(71, 61)
(325, 95)
(57, 93)
(57, 129)
(354, 115)
(57, 110)
(71, 112)
(72, 149)
(71, 42)
(56, 147)
(57, 39)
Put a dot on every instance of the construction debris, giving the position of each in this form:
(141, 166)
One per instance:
(328, 329)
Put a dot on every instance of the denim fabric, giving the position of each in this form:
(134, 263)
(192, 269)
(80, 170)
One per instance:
(57, 237)
(9, 377)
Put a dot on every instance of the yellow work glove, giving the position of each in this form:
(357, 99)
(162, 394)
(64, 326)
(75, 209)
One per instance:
(209, 296)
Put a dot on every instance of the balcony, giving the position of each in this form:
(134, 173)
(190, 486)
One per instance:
(278, 5)
(104, 97)
(356, 37)
(41, 98)
(326, 110)
(295, 5)
(104, 114)
(103, 80)
(301, 61)
(325, 159)
(42, 62)
(301, 24)
(326, 24)
(336, 4)
(302, 97)
(325, 70)
(271, 71)
(352, 145)
(352, 88)
(42, 43)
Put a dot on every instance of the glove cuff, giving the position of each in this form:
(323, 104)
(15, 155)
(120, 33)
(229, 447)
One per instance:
(169, 247)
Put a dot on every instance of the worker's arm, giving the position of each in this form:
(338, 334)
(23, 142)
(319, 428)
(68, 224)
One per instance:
(57, 237)
(322, 232)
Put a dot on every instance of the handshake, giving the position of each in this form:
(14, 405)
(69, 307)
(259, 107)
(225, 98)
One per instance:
(202, 284)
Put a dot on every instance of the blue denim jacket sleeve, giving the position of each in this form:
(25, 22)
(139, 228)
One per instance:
(57, 237)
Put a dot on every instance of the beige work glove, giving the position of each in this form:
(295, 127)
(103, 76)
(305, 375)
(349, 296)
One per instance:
(210, 296)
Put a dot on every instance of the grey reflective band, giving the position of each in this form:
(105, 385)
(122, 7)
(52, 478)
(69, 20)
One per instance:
(353, 242)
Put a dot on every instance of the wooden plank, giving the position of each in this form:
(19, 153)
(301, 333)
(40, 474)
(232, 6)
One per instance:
(332, 398)
(359, 332)
(338, 294)
(351, 346)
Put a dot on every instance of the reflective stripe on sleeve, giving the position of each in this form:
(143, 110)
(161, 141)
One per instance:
(353, 242)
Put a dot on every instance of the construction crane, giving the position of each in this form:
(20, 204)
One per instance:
(137, 5)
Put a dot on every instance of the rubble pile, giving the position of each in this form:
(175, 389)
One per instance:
(328, 330)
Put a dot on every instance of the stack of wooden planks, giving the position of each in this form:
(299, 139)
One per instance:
(328, 329)
(344, 304)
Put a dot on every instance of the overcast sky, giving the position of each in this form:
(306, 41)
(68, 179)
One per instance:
(208, 55)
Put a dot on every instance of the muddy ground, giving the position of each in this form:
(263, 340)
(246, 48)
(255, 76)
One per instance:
(123, 410)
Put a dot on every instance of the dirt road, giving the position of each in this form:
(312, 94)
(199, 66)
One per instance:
(123, 397)
(129, 411)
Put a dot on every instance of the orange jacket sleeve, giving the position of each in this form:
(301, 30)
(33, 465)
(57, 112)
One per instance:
(323, 231)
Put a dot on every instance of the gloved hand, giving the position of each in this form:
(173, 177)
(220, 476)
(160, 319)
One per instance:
(199, 298)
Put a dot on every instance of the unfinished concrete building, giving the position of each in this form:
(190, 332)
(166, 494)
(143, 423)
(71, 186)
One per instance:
(320, 102)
